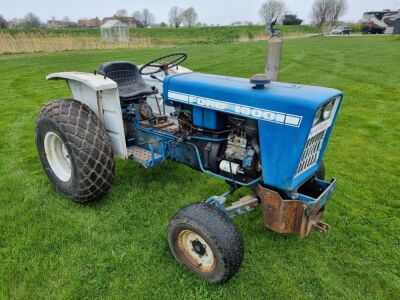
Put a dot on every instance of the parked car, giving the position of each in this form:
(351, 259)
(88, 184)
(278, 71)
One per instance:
(341, 30)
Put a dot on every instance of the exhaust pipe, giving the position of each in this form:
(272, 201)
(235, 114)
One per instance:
(273, 57)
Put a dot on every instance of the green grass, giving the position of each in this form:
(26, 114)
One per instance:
(177, 36)
(117, 248)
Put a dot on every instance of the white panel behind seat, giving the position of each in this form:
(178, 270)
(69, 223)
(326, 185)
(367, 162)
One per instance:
(101, 95)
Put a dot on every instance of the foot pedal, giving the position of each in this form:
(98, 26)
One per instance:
(143, 156)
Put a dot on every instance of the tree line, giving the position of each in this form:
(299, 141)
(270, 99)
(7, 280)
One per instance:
(323, 12)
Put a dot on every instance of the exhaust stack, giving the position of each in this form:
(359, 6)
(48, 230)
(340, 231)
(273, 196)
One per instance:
(273, 57)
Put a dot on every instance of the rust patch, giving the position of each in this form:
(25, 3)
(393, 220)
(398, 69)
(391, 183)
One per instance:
(288, 216)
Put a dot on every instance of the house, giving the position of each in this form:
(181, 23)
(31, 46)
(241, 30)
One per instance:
(3, 23)
(131, 21)
(54, 24)
(89, 23)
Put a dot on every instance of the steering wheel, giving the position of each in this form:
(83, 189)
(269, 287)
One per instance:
(162, 66)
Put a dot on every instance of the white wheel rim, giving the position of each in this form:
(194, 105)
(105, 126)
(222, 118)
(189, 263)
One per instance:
(196, 250)
(57, 155)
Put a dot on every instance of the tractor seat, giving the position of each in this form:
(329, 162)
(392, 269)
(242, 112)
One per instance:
(131, 86)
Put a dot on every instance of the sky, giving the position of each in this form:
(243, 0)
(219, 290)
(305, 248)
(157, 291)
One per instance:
(215, 12)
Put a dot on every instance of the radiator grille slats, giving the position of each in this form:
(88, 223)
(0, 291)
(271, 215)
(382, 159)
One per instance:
(311, 152)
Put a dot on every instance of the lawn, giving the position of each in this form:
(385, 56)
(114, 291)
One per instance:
(117, 248)
(52, 40)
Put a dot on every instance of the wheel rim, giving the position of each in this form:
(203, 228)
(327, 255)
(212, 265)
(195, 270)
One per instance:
(196, 251)
(57, 155)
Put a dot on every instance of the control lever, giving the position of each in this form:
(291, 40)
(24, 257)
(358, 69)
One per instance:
(155, 77)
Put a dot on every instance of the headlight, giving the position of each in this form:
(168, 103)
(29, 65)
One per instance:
(328, 110)
(317, 117)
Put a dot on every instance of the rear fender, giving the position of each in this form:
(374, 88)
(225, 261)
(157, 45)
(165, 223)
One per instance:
(101, 95)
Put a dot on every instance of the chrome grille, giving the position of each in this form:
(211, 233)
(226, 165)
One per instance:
(311, 152)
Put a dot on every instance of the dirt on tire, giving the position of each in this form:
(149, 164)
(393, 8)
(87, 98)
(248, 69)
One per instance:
(88, 145)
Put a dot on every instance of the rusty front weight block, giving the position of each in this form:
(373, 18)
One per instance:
(288, 216)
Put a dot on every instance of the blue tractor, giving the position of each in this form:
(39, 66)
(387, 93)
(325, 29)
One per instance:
(266, 135)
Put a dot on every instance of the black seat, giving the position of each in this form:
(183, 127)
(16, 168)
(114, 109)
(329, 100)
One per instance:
(131, 86)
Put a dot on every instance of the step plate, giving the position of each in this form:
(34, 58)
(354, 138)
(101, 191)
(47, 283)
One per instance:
(142, 155)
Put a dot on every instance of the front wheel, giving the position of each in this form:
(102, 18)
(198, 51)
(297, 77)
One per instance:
(206, 242)
(74, 150)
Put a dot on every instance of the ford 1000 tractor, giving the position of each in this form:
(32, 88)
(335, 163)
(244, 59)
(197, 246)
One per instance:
(265, 135)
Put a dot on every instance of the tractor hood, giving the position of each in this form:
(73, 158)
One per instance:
(291, 146)
(277, 102)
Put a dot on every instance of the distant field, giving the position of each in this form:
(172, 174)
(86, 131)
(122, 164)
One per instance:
(51, 248)
(51, 40)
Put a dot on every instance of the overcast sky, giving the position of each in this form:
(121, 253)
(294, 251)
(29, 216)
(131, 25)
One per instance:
(210, 11)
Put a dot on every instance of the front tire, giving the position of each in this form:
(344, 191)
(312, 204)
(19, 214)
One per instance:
(74, 150)
(206, 241)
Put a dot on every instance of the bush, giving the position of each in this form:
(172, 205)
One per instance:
(355, 27)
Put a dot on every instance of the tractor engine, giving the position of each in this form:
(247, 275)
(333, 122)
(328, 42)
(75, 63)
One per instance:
(229, 146)
(241, 155)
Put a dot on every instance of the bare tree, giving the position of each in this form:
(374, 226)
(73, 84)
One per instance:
(138, 16)
(148, 17)
(339, 8)
(175, 16)
(31, 21)
(189, 17)
(327, 12)
(272, 10)
(121, 12)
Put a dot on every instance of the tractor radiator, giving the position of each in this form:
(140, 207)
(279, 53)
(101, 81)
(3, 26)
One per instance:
(311, 152)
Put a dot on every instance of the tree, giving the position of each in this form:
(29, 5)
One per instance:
(138, 16)
(339, 8)
(272, 10)
(31, 21)
(189, 17)
(121, 13)
(327, 12)
(175, 16)
(291, 19)
(148, 17)
(163, 24)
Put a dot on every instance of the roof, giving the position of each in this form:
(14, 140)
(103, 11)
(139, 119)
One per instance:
(113, 23)
(127, 20)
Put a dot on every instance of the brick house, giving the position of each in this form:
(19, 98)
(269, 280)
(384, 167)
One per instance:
(54, 24)
(89, 23)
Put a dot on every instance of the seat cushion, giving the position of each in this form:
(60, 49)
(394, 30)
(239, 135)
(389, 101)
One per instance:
(130, 83)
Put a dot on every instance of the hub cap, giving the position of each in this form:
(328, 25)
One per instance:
(196, 250)
(58, 157)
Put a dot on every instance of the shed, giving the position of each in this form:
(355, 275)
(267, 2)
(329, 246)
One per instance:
(114, 31)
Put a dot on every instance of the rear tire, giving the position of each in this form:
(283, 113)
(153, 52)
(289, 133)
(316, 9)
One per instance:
(74, 150)
(206, 241)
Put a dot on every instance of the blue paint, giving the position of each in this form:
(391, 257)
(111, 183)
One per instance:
(285, 114)
(207, 118)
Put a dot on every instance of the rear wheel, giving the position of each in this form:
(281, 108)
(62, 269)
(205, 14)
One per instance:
(74, 150)
(206, 241)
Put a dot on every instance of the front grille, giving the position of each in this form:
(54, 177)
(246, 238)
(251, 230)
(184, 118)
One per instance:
(311, 152)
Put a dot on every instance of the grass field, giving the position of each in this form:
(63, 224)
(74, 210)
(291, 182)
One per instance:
(52, 40)
(117, 248)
